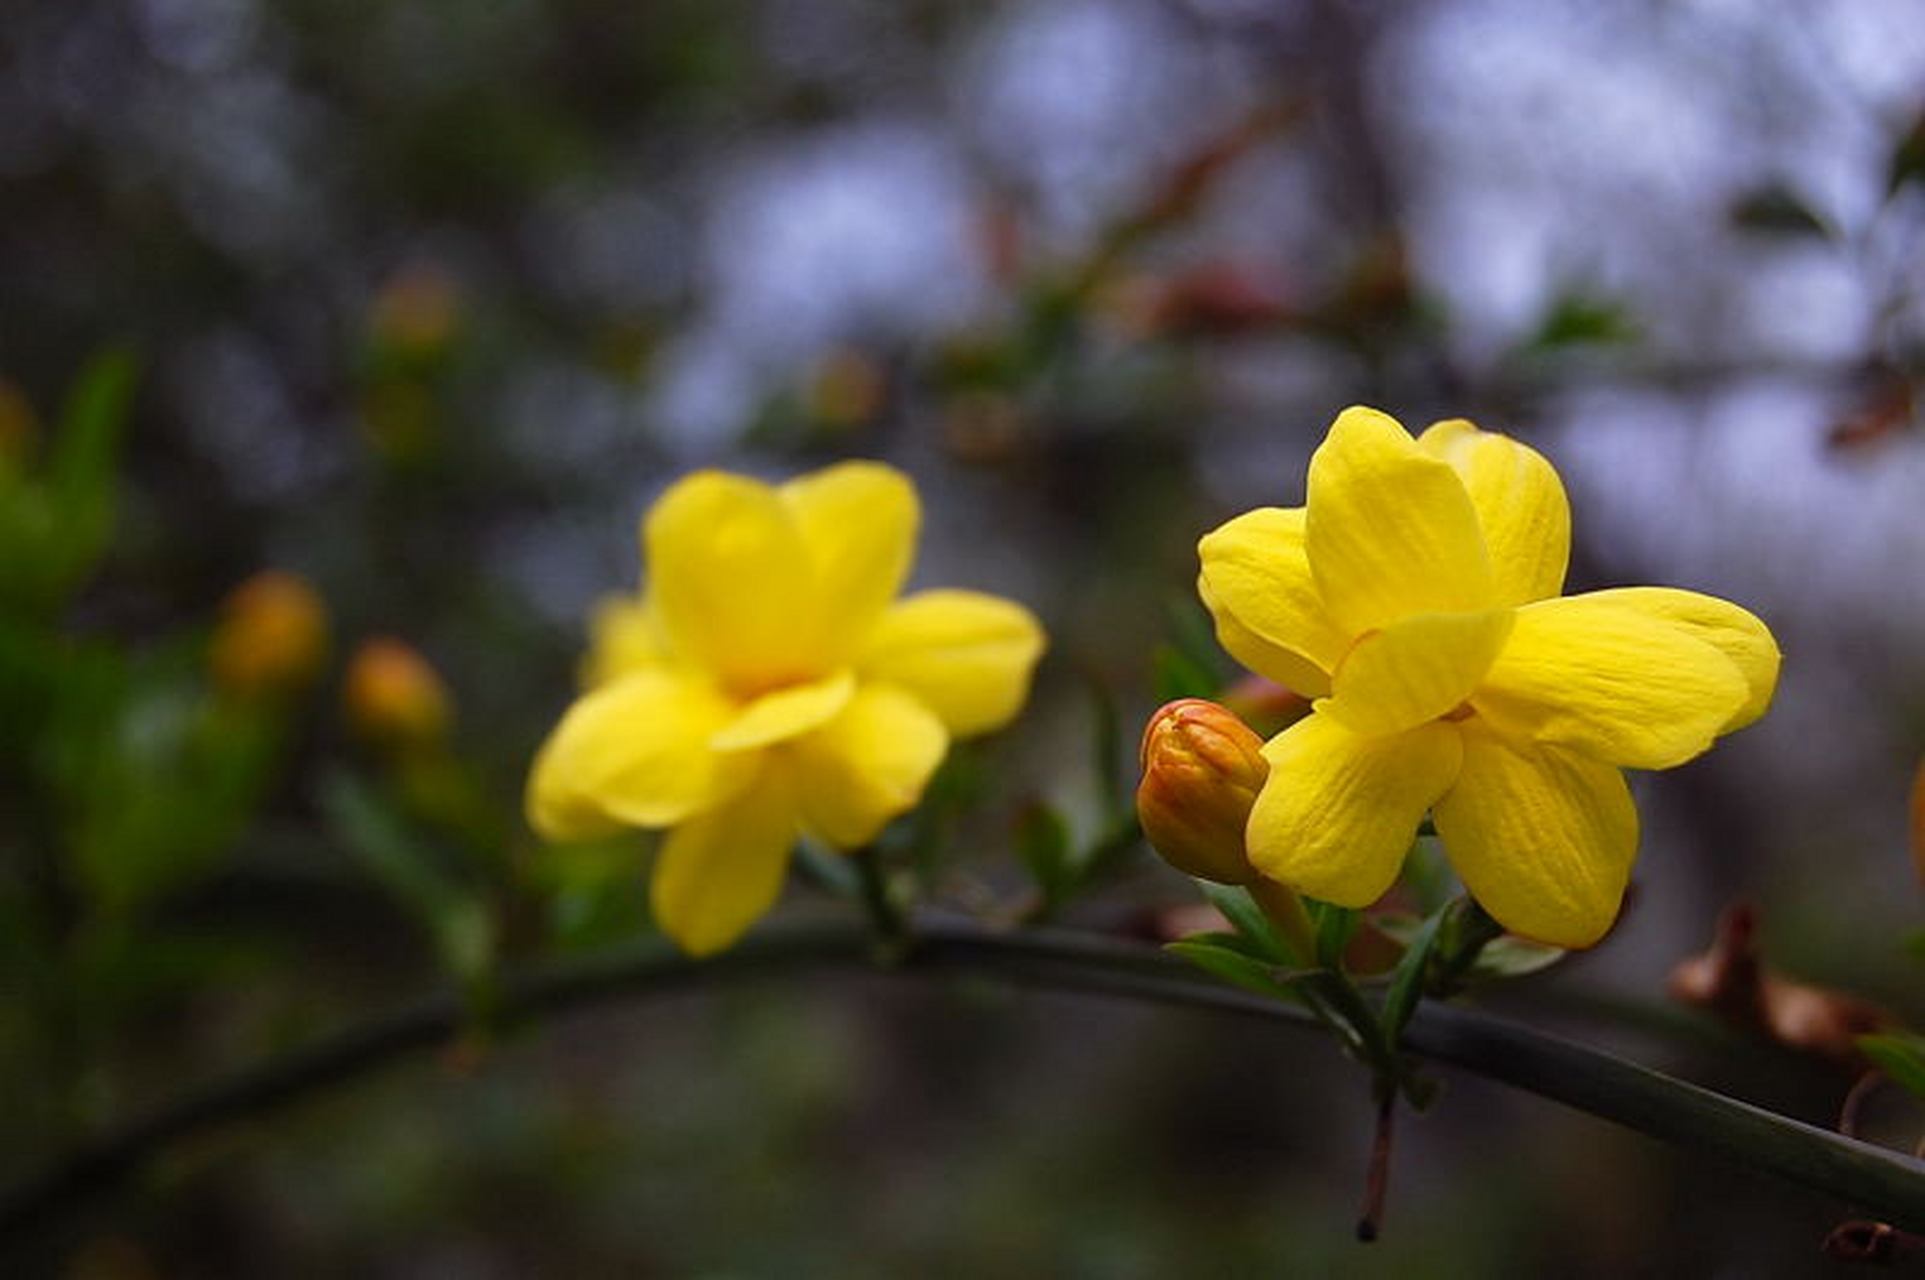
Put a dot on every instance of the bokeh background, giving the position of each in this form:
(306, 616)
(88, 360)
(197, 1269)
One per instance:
(423, 303)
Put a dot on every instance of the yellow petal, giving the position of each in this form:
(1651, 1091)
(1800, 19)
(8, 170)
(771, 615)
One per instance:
(1268, 660)
(1256, 583)
(1732, 631)
(624, 635)
(720, 872)
(964, 655)
(1390, 529)
(1543, 837)
(1415, 670)
(867, 765)
(1520, 505)
(1339, 810)
(859, 520)
(786, 713)
(1623, 685)
(731, 580)
(633, 752)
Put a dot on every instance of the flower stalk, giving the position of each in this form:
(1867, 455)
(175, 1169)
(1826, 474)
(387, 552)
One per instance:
(1873, 1179)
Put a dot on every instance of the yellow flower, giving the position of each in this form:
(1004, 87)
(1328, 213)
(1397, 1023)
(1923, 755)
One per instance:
(1415, 596)
(769, 681)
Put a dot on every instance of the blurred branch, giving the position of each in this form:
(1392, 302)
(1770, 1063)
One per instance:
(1871, 1178)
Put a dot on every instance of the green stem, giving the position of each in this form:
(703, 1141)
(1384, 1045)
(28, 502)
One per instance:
(885, 917)
(1875, 1180)
(1284, 909)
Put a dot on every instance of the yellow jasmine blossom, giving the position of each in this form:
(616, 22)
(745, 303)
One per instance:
(769, 681)
(1415, 597)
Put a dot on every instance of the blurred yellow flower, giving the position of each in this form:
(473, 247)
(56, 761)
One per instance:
(769, 681)
(1415, 596)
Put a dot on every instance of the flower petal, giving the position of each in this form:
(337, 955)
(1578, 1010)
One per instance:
(633, 752)
(624, 635)
(867, 765)
(1520, 505)
(1543, 837)
(1390, 529)
(1623, 685)
(859, 520)
(730, 577)
(786, 713)
(1339, 810)
(967, 656)
(720, 872)
(1270, 661)
(1256, 583)
(1415, 670)
(1732, 631)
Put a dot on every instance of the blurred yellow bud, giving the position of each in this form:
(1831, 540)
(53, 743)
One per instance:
(394, 697)
(1918, 820)
(846, 389)
(272, 636)
(1202, 769)
(417, 310)
(19, 426)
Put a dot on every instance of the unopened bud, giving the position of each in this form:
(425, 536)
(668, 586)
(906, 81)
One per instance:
(416, 311)
(1918, 820)
(394, 697)
(1202, 769)
(272, 636)
(19, 427)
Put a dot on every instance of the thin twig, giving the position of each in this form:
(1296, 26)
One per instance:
(1876, 1181)
(1377, 1177)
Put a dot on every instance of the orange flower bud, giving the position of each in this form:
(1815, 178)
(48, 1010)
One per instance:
(394, 697)
(417, 310)
(272, 636)
(1918, 820)
(1202, 769)
(19, 427)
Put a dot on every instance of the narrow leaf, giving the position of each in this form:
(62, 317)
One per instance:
(1231, 965)
(1902, 1057)
(1247, 918)
(1407, 980)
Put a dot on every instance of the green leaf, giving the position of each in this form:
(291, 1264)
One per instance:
(87, 440)
(1513, 957)
(1407, 980)
(1247, 918)
(1043, 844)
(1777, 210)
(455, 916)
(1106, 745)
(1900, 1056)
(1180, 676)
(81, 469)
(1575, 319)
(829, 868)
(1215, 954)
(1335, 925)
(1908, 157)
(1427, 874)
